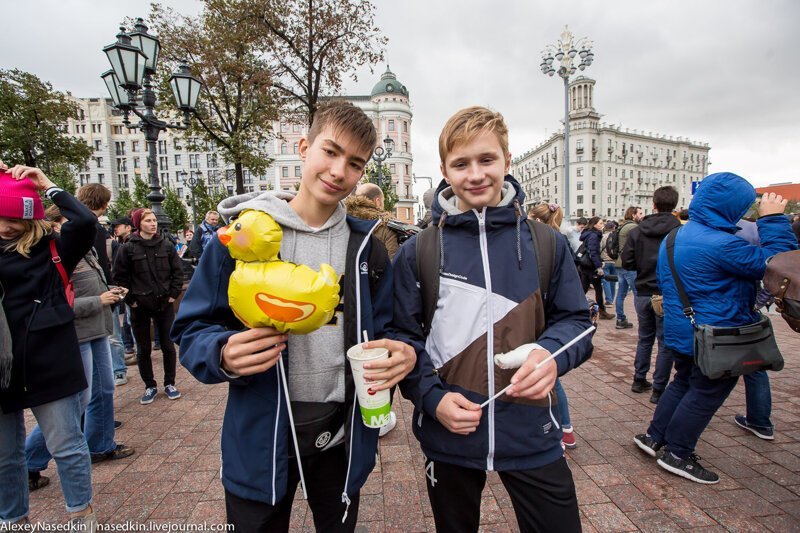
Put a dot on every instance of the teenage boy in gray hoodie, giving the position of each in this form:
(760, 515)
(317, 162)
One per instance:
(259, 467)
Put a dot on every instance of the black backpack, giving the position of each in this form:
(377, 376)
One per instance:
(612, 244)
(429, 267)
(402, 230)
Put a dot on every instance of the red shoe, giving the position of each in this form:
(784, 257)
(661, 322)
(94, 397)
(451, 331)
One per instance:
(568, 440)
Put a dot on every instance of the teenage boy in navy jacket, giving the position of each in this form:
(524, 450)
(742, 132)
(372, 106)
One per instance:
(489, 302)
(259, 471)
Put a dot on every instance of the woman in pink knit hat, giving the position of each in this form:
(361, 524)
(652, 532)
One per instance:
(40, 362)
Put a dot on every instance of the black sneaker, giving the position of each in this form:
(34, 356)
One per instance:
(656, 396)
(120, 452)
(37, 481)
(646, 443)
(641, 385)
(117, 424)
(689, 468)
(623, 324)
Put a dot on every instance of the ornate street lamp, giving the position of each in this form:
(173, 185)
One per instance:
(192, 182)
(134, 58)
(381, 154)
(564, 52)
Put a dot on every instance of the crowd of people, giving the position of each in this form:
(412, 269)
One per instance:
(452, 304)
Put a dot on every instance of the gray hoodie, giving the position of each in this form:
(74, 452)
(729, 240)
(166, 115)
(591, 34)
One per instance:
(316, 362)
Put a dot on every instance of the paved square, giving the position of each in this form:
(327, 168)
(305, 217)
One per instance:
(174, 476)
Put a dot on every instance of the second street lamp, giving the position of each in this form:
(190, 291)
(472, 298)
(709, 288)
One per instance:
(565, 51)
(381, 154)
(192, 182)
(133, 61)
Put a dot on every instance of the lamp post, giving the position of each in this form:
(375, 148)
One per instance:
(381, 154)
(565, 51)
(192, 182)
(133, 59)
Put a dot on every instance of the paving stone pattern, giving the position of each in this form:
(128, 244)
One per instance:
(174, 475)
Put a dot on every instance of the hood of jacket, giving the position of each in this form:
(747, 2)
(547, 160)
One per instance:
(658, 224)
(362, 207)
(721, 201)
(444, 204)
(276, 203)
(590, 231)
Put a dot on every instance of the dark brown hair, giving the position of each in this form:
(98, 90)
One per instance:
(94, 196)
(344, 117)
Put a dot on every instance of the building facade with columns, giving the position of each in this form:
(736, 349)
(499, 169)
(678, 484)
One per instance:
(120, 153)
(611, 168)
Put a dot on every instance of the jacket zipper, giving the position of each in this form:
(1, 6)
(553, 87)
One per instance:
(487, 274)
(357, 273)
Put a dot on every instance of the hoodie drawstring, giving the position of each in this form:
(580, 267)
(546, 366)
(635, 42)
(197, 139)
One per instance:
(520, 214)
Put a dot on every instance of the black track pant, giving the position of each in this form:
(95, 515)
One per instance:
(325, 475)
(140, 324)
(543, 498)
(590, 279)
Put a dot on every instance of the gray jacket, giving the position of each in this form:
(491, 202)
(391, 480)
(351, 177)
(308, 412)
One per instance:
(93, 320)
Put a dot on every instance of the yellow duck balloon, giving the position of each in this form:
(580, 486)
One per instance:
(265, 291)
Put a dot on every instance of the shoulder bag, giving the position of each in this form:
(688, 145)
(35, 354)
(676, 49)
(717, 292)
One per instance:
(724, 352)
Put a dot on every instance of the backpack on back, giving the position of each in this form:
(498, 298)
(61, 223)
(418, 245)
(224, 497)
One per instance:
(402, 230)
(612, 244)
(782, 280)
(429, 265)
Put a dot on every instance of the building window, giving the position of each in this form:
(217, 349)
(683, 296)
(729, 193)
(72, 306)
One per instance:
(297, 171)
(284, 149)
(135, 162)
(179, 190)
(579, 172)
(194, 160)
(594, 185)
(99, 161)
(407, 170)
(96, 128)
(163, 163)
(117, 130)
(295, 128)
(211, 160)
(594, 171)
(122, 165)
(101, 178)
(295, 146)
(579, 185)
(162, 147)
(134, 146)
(580, 198)
(609, 171)
(405, 126)
(392, 169)
(284, 172)
(97, 144)
(391, 124)
(178, 160)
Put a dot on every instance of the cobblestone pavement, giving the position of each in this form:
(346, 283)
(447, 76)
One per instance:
(174, 475)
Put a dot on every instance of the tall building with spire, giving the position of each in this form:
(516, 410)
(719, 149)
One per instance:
(120, 154)
(611, 168)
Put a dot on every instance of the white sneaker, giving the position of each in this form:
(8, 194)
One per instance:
(389, 425)
(120, 379)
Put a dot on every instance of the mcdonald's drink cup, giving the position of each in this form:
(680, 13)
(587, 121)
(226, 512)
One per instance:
(375, 405)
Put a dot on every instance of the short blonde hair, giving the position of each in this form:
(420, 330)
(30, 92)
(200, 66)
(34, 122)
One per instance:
(35, 231)
(467, 124)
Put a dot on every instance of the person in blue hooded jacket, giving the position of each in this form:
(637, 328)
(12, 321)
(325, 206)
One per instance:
(718, 271)
(490, 302)
(337, 451)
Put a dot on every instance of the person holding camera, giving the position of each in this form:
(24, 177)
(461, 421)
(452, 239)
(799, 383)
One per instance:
(149, 267)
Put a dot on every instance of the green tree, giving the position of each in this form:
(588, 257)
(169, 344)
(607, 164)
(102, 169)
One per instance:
(311, 45)
(121, 205)
(175, 210)
(33, 132)
(140, 192)
(371, 175)
(206, 200)
(238, 104)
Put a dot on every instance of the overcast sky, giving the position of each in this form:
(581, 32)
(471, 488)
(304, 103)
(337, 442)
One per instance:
(722, 72)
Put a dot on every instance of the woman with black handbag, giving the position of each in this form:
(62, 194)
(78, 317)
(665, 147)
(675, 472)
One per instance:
(149, 267)
(590, 264)
(707, 277)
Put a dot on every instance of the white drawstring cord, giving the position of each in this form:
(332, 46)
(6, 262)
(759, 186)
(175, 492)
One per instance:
(291, 425)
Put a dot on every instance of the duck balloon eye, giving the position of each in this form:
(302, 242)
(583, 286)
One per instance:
(237, 227)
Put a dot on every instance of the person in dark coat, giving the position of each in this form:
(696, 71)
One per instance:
(591, 237)
(149, 267)
(40, 362)
(640, 254)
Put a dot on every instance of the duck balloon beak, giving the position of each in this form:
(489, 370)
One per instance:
(224, 238)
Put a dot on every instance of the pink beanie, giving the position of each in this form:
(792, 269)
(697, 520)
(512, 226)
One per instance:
(19, 198)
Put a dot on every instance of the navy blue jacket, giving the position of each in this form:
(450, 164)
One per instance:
(718, 269)
(490, 302)
(255, 431)
(591, 238)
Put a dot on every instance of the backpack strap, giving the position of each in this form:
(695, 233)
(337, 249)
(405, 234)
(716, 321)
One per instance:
(428, 268)
(544, 242)
(57, 262)
(378, 259)
(687, 307)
